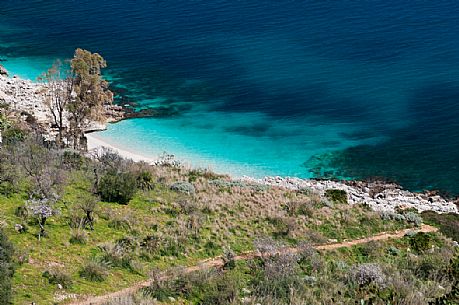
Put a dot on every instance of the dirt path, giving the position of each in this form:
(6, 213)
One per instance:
(218, 262)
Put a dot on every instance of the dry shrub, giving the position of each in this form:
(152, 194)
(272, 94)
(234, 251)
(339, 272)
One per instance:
(58, 276)
(366, 275)
(94, 271)
(121, 221)
(78, 236)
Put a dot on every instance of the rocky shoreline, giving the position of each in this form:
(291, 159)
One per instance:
(380, 196)
(27, 98)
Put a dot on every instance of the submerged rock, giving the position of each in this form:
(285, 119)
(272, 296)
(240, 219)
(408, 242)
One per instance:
(3, 71)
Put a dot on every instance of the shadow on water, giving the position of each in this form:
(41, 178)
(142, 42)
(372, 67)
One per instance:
(424, 155)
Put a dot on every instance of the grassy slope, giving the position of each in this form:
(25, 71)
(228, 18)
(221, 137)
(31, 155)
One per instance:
(232, 216)
(407, 274)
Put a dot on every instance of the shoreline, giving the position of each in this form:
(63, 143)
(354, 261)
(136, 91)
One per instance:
(95, 143)
(28, 96)
(380, 196)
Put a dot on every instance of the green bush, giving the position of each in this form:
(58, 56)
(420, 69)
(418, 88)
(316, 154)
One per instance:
(13, 135)
(6, 269)
(421, 242)
(7, 188)
(117, 187)
(160, 289)
(337, 196)
(448, 223)
(217, 289)
(72, 159)
(145, 180)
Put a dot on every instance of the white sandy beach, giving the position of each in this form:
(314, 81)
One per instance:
(95, 143)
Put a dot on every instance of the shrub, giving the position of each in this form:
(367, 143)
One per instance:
(299, 208)
(72, 159)
(448, 223)
(172, 247)
(117, 187)
(94, 271)
(187, 206)
(6, 268)
(22, 212)
(119, 254)
(7, 188)
(120, 222)
(228, 257)
(413, 218)
(13, 135)
(78, 236)
(367, 274)
(58, 277)
(217, 288)
(195, 174)
(278, 277)
(420, 242)
(393, 251)
(160, 288)
(266, 246)
(203, 287)
(388, 215)
(145, 180)
(149, 245)
(283, 226)
(337, 196)
(183, 187)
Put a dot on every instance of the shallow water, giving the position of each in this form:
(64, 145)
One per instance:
(295, 88)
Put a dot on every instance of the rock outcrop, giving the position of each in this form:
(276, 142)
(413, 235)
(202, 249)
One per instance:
(28, 99)
(379, 196)
(25, 97)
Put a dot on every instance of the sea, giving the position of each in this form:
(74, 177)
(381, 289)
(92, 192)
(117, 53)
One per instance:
(311, 89)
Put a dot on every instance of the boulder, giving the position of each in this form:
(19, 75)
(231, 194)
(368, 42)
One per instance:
(3, 71)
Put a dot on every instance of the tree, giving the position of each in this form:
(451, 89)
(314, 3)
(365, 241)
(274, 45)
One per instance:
(58, 96)
(90, 93)
(88, 204)
(42, 166)
(41, 209)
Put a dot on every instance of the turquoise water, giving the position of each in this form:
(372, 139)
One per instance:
(301, 88)
(226, 143)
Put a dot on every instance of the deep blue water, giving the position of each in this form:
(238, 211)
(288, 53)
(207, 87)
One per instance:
(348, 89)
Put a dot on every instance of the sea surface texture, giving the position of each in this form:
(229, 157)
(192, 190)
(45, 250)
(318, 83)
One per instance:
(346, 89)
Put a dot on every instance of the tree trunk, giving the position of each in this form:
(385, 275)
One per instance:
(41, 222)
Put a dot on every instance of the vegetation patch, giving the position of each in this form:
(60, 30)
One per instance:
(448, 223)
(338, 196)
